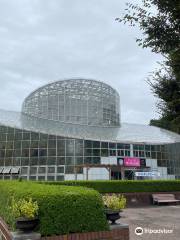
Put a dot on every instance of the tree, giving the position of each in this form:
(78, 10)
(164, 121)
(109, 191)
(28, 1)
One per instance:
(160, 24)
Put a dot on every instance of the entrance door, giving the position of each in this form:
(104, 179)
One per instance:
(115, 175)
(129, 174)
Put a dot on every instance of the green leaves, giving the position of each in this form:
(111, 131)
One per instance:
(115, 186)
(62, 209)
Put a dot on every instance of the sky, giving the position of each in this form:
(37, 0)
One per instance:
(47, 40)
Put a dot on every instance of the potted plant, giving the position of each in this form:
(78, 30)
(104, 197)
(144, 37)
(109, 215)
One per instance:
(113, 206)
(25, 213)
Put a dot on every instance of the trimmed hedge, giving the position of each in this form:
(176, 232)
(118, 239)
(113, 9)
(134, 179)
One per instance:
(129, 186)
(62, 209)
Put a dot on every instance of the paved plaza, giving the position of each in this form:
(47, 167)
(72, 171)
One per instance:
(156, 218)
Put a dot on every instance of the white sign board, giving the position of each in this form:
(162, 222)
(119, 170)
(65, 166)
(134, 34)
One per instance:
(147, 174)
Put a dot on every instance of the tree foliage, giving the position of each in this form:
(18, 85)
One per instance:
(159, 21)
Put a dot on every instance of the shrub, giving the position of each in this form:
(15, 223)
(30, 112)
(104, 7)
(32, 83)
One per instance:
(62, 209)
(126, 186)
(24, 208)
(114, 202)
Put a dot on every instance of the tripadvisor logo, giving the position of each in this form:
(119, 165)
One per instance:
(139, 231)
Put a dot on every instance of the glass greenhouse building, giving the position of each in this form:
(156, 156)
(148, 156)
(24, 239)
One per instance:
(71, 129)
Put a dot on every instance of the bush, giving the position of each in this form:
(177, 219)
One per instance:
(129, 186)
(62, 209)
(114, 201)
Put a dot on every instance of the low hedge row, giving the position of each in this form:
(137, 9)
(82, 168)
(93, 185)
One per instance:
(62, 209)
(126, 186)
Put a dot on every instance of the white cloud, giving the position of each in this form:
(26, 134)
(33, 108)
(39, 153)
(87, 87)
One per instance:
(42, 41)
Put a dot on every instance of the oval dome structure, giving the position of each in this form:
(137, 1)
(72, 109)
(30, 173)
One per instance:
(79, 101)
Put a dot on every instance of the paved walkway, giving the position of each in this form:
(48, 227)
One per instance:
(161, 218)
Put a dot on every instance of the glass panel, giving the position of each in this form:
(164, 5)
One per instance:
(33, 170)
(60, 169)
(41, 170)
(60, 160)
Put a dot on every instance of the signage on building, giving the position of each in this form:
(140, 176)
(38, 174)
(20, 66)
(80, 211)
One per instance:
(143, 162)
(147, 174)
(131, 162)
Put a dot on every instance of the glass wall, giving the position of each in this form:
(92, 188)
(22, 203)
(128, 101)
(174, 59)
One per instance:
(39, 156)
(86, 102)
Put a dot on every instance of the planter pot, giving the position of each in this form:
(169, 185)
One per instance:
(26, 225)
(112, 215)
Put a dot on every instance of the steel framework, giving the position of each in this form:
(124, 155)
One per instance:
(81, 101)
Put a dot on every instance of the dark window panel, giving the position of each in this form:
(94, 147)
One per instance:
(25, 153)
(79, 160)
(52, 144)
(60, 160)
(33, 161)
(60, 169)
(104, 144)
(9, 145)
(96, 152)
(104, 152)
(42, 152)
(88, 160)
(33, 152)
(17, 161)
(69, 160)
(41, 178)
(69, 169)
(42, 160)
(25, 144)
(18, 136)
(2, 145)
(112, 145)
(26, 136)
(96, 144)
(34, 144)
(17, 144)
(9, 153)
(42, 144)
(87, 144)
(50, 178)
(3, 137)
(112, 152)
(34, 136)
(33, 170)
(96, 160)
(60, 178)
(51, 161)
(8, 161)
(51, 152)
(24, 161)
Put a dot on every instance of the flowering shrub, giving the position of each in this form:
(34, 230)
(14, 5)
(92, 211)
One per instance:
(114, 202)
(24, 208)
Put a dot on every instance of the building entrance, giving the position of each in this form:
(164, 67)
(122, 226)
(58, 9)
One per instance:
(116, 175)
(129, 174)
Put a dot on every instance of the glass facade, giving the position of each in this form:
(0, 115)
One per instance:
(86, 102)
(68, 125)
(39, 156)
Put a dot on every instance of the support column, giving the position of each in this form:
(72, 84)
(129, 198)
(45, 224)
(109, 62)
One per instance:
(122, 173)
(87, 170)
(75, 173)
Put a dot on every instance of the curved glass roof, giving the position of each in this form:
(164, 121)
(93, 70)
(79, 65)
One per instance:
(79, 101)
(126, 133)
